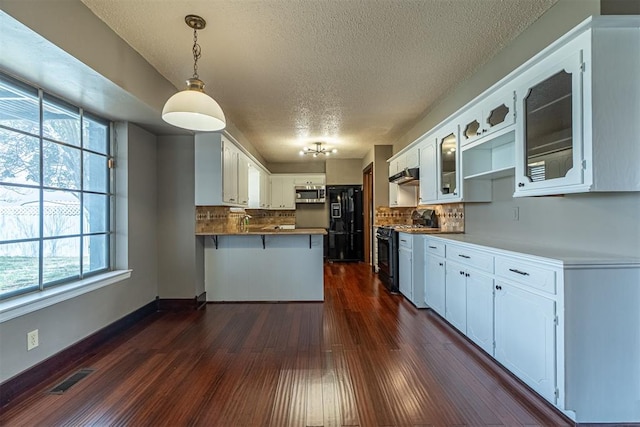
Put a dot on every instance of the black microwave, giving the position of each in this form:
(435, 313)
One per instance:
(310, 193)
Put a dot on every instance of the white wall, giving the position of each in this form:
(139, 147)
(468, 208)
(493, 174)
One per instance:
(178, 272)
(63, 324)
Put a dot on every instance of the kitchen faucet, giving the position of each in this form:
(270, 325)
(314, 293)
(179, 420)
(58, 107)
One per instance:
(244, 222)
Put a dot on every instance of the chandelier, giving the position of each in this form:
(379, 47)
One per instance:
(318, 149)
(192, 108)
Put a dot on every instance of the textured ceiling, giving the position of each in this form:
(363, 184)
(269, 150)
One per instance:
(353, 73)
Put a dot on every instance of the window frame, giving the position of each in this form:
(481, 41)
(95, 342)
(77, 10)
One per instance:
(43, 97)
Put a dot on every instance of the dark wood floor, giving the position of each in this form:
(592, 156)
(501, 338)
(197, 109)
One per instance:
(361, 358)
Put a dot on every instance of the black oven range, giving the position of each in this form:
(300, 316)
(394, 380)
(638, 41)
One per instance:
(387, 239)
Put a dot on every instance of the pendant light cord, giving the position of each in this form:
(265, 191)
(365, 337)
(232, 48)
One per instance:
(196, 53)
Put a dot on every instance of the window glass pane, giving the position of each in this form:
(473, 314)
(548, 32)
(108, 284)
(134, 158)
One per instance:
(61, 121)
(95, 218)
(18, 267)
(95, 173)
(19, 106)
(19, 213)
(95, 135)
(61, 259)
(19, 158)
(61, 167)
(95, 253)
(61, 213)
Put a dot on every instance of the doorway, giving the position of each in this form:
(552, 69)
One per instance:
(367, 206)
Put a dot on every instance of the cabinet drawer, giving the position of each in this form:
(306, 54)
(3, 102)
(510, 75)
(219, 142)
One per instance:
(476, 259)
(434, 247)
(532, 275)
(405, 240)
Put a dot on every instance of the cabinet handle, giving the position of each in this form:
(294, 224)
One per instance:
(498, 287)
(402, 240)
(464, 256)
(462, 273)
(432, 247)
(467, 275)
(521, 184)
(440, 264)
(524, 273)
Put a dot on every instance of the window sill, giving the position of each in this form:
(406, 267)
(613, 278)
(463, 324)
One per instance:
(29, 303)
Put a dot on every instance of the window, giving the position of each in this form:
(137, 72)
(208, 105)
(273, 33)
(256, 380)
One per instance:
(54, 191)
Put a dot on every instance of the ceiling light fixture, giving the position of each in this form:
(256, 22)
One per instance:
(192, 108)
(318, 149)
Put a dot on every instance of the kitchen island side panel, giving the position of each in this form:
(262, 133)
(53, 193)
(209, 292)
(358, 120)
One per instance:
(285, 269)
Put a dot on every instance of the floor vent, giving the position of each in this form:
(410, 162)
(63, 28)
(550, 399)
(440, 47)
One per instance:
(71, 381)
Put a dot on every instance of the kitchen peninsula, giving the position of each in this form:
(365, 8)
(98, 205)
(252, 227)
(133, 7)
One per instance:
(266, 264)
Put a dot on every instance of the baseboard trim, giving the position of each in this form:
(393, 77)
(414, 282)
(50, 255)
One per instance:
(26, 380)
(182, 304)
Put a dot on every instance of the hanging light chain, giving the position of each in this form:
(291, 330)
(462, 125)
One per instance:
(196, 53)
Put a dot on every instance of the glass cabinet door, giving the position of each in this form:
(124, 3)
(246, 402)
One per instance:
(550, 129)
(448, 146)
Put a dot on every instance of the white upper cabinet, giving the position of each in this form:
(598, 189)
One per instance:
(310, 179)
(577, 107)
(495, 113)
(412, 158)
(223, 173)
(448, 165)
(282, 192)
(265, 189)
(428, 172)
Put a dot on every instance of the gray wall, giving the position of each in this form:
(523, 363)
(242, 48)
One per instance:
(178, 256)
(343, 171)
(63, 324)
(607, 222)
(311, 165)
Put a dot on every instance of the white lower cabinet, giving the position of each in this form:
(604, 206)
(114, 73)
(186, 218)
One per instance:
(564, 323)
(410, 268)
(434, 276)
(526, 337)
(456, 296)
(480, 309)
(405, 267)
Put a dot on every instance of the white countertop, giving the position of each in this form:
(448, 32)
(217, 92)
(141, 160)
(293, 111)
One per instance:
(566, 256)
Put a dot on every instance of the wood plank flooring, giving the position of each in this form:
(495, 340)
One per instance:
(361, 358)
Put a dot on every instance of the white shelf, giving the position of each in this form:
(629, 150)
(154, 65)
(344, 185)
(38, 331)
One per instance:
(494, 174)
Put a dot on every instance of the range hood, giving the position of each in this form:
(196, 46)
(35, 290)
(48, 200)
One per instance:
(409, 176)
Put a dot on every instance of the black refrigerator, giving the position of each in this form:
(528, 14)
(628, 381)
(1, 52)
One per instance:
(345, 238)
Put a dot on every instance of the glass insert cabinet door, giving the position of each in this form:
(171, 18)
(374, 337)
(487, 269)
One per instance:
(551, 128)
(448, 153)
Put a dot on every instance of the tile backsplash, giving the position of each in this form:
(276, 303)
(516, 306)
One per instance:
(450, 216)
(219, 219)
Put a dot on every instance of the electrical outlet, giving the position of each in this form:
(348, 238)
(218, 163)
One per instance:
(516, 213)
(32, 340)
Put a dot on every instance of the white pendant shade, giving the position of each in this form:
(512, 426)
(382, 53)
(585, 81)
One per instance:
(194, 110)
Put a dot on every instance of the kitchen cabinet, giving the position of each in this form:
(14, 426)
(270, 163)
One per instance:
(455, 296)
(494, 113)
(428, 172)
(434, 275)
(525, 328)
(448, 169)
(560, 319)
(265, 189)
(405, 269)
(577, 121)
(402, 195)
(282, 192)
(310, 179)
(410, 267)
(221, 172)
(243, 179)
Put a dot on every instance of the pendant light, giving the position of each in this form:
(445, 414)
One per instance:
(192, 108)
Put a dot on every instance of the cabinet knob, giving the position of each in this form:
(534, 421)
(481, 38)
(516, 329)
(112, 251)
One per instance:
(440, 264)
(467, 275)
(521, 184)
(462, 273)
(498, 287)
